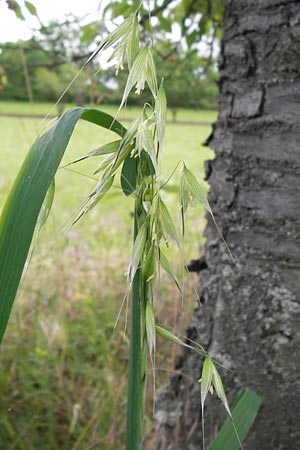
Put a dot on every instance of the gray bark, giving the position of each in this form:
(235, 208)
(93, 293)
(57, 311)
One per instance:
(250, 318)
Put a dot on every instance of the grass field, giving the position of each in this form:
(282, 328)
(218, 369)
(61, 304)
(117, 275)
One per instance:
(47, 108)
(62, 366)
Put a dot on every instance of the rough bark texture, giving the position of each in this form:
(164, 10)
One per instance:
(250, 318)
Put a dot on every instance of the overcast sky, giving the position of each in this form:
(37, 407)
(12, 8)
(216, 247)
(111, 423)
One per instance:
(12, 29)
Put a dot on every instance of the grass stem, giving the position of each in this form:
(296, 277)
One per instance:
(135, 388)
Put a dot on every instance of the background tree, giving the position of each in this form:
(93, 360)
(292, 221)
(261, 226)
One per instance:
(249, 312)
(52, 57)
(190, 82)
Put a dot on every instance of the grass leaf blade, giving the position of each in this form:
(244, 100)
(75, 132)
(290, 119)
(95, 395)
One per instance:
(128, 175)
(244, 411)
(21, 210)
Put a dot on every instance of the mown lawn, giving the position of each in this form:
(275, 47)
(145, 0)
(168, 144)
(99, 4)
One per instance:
(62, 365)
(25, 108)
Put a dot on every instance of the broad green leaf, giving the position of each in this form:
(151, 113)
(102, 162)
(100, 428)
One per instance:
(166, 265)
(104, 120)
(150, 328)
(128, 175)
(218, 385)
(167, 223)
(21, 210)
(206, 380)
(244, 411)
(195, 188)
(138, 249)
(146, 164)
(31, 8)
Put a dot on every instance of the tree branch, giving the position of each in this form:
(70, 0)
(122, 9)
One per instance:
(155, 11)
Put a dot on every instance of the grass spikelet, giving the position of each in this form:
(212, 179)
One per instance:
(160, 116)
(195, 188)
(168, 224)
(106, 149)
(150, 329)
(168, 268)
(138, 249)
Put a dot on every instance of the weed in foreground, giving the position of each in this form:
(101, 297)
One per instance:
(137, 154)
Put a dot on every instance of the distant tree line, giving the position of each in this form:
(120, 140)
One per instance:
(43, 66)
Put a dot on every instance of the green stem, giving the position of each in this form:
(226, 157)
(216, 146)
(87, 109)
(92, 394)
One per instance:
(135, 384)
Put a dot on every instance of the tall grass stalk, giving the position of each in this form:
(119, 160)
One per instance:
(135, 382)
(135, 156)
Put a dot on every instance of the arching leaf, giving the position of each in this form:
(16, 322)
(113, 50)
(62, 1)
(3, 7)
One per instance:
(23, 205)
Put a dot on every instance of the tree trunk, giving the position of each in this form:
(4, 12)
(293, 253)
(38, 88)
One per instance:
(250, 316)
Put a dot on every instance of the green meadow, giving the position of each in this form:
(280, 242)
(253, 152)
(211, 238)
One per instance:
(63, 362)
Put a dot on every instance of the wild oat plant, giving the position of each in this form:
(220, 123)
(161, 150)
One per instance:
(135, 157)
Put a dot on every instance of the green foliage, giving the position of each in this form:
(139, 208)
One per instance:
(61, 330)
(22, 208)
(197, 19)
(15, 6)
(51, 59)
(52, 398)
(189, 80)
(154, 229)
(153, 223)
(11, 61)
(46, 55)
(233, 432)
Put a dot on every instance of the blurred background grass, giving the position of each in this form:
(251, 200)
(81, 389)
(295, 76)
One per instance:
(63, 367)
